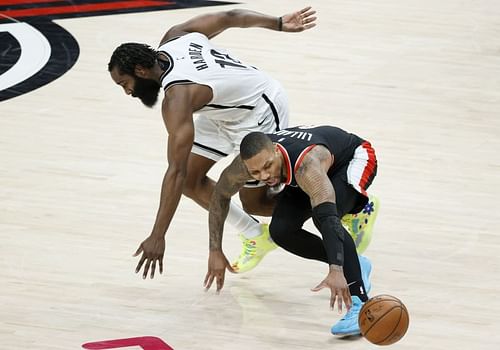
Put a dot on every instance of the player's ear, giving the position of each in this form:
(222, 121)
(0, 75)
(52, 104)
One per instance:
(140, 71)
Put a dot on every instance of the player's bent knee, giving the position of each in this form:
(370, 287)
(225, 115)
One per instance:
(193, 185)
(278, 231)
(189, 187)
(255, 201)
(257, 208)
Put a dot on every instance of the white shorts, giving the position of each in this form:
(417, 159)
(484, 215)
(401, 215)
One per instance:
(216, 139)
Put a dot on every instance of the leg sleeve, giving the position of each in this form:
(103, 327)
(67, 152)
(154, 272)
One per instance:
(292, 209)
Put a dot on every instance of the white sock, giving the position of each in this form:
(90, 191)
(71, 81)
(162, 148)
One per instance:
(243, 222)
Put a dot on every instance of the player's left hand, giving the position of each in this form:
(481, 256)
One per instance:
(299, 21)
(152, 249)
(217, 265)
(339, 289)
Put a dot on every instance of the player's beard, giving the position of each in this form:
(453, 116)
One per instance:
(146, 90)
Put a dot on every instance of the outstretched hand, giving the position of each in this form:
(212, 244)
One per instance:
(338, 288)
(153, 249)
(299, 21)
(217, 265)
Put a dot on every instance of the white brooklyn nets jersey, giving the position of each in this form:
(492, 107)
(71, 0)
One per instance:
(239, 90)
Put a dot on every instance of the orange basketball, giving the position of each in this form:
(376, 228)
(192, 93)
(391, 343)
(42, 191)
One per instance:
(383, 320)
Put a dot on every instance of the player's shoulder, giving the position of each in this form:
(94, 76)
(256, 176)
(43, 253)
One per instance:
(173, 36)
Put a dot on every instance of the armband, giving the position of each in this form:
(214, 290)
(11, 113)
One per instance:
(326, 219)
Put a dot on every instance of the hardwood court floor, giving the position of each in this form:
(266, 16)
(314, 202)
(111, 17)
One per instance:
(81, 166)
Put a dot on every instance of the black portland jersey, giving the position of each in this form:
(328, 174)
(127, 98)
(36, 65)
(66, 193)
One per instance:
(294, 143)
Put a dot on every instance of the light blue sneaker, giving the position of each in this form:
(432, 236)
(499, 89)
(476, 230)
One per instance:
(348, 325)
(366, 270)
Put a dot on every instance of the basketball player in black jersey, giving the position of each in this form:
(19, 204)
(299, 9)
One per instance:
(326, 172)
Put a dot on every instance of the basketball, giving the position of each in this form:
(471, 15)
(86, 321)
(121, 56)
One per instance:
(383, 320)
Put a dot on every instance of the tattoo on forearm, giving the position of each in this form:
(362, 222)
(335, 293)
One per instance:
(312, 176)
(231, 181)
(219, 207)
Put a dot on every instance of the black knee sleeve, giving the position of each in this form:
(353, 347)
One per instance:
(278, 232)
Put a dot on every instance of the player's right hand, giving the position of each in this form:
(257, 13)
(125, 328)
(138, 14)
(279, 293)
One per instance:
(217, 265)
(152, 249)
(299, 21)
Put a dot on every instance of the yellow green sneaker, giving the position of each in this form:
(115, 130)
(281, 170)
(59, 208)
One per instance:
(253, 250)
(360, 225)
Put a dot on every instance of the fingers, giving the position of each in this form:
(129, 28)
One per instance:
(307, 18)
(308, 14)
(233, 268)
(139, 265)
(305, 15)
(153, 268)
(318, 287)
(220, 281)
(307, 21)
(341, 298)
(336, 298)
(339, 303)
(230, 268)
(333, 297)
(209, 278)
(347, 299)
(205, 281)
(305, 9)
(138, 251)
(150, 263)
(146, 269)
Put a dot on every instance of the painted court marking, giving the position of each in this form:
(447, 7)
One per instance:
(146, 343)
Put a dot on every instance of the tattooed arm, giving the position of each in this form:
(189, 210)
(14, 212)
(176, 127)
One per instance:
(312, 177)
(231, 180)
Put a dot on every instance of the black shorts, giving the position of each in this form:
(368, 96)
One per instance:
(350, 183)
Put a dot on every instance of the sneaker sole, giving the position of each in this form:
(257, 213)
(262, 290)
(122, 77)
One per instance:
(346, 334)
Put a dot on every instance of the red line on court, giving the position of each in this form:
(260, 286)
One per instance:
(147, 343)
(19, 2)
(44, 11)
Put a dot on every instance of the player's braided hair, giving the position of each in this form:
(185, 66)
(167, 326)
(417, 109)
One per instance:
(128, 55)
(254, 143)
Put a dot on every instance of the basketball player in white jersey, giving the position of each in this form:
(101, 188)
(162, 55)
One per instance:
(230, 98)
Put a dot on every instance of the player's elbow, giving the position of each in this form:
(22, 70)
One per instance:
(234, 18)
(234, 13)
